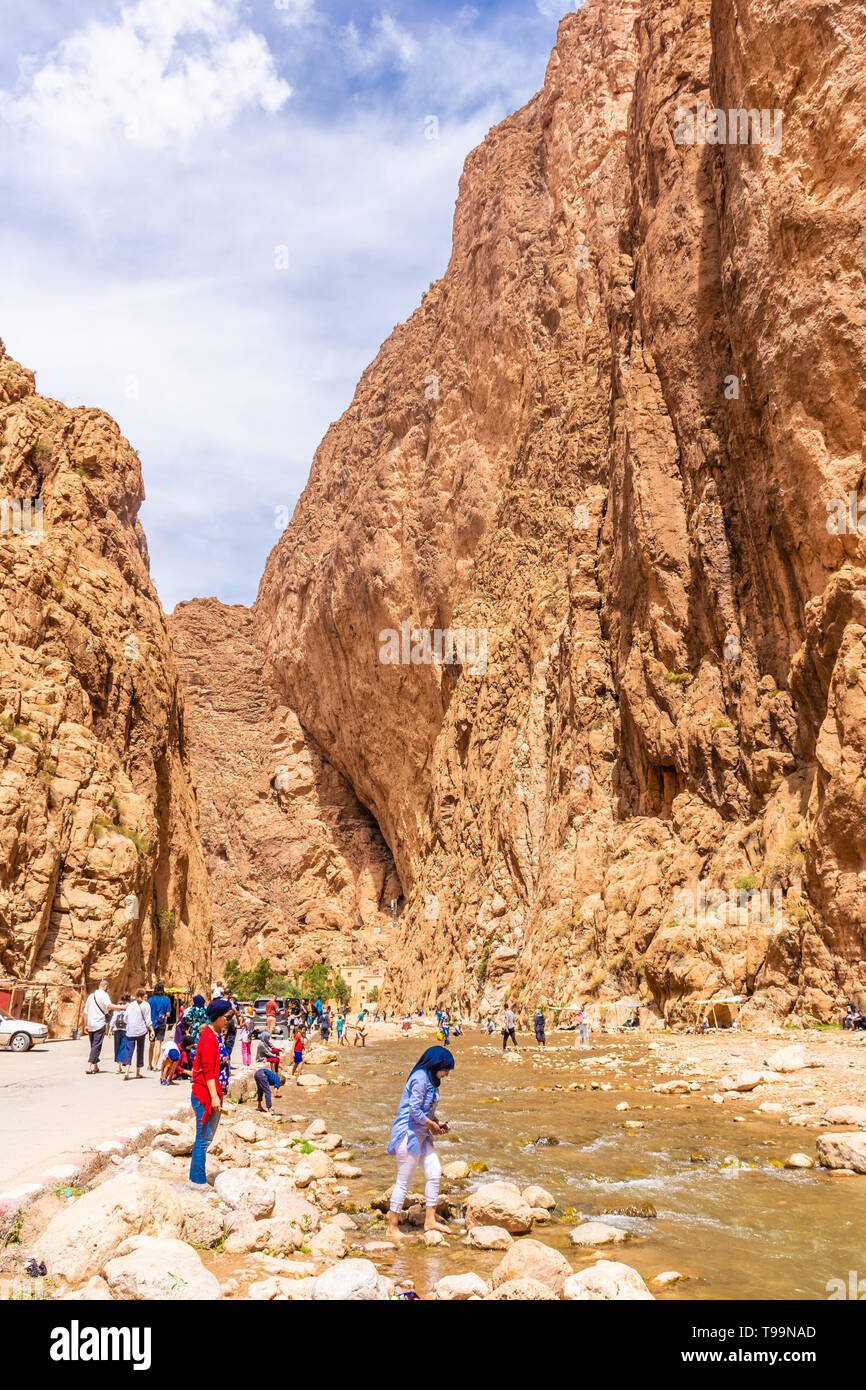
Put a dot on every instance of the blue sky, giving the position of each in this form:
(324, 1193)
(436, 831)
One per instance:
(214, 212)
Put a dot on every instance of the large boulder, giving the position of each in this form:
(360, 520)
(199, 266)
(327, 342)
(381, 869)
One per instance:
(846, 1115)
(532, 1259)
(351, 1280)
(489, 1238)
(157, 1269)
(456, 1288)
(842, 1151)
(76, 1243)
(202, 1219)
(789, 1059)
(178, 1145)
(244, 1190)
(293, 1207)
(313, 1166)
(499, 1204)
(329, 1243)
(743, 1081)
(606, 1280)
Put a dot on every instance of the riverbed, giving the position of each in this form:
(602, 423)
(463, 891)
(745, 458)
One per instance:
(728, 1215)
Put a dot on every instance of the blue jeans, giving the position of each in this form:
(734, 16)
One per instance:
(205, 1129)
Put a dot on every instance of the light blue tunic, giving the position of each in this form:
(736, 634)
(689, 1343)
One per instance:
(417, 1104)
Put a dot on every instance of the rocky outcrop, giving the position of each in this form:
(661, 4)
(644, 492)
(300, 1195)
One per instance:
(603, 458)
(297, 868)
(101, 872)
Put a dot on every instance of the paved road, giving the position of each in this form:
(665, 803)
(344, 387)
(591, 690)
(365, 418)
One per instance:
(49, 1108)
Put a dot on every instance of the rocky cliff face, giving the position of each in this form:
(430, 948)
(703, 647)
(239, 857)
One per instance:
(100, 868)
(605, 455)
(298, 871)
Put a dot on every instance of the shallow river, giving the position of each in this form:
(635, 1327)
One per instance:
(758, 1233)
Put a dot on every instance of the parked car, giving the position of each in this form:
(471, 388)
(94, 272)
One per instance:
(260, 1022)
(19, 1034)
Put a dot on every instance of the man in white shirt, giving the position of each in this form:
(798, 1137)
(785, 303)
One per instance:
(97, 1011)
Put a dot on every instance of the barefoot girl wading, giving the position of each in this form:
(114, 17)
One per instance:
(412, 1137)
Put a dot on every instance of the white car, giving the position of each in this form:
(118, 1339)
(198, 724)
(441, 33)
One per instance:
(18, 1034)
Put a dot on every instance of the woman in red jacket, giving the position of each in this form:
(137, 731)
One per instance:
(209, 1078)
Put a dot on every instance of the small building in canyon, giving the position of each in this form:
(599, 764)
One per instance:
(363, 980)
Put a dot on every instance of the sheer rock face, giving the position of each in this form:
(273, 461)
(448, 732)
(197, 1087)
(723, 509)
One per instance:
(98, 823)
(297, 868)
(609, 439)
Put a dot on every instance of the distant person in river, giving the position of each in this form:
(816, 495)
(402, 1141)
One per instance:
(583, 1026)
(539, 1027)
(209, 1078)
(298, 1052)
(508, 1029)
(98, 1009)
(341, 1031)
(412, 1137)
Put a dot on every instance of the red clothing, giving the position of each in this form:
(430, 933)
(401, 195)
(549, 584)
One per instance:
(299, 1042)
(206, 1067)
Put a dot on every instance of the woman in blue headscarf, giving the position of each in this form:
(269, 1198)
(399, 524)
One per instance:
(412, 1137)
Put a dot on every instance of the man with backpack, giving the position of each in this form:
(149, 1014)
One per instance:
(160, 1012)
(98, 1008)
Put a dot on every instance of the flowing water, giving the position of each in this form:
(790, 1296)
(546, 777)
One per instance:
(757, 1232)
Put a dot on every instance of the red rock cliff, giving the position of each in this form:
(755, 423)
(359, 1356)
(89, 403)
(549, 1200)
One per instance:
(605, 447)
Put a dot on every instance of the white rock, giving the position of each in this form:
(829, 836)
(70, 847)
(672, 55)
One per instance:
(532, 1259)
(789, 1059)
(160, 1269)
(846, 1115)
(353, 1280)
(242, 1188)
(498, 1204)
(458, 1287)
(76, 1243)
(606, 1280)
(536, 1196)
(598, 1233)
(489, 1238)
(842, 1151)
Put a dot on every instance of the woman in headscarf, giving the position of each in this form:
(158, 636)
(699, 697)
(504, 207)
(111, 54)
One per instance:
(194, 1019)
(412, 1137)
(210, 1075)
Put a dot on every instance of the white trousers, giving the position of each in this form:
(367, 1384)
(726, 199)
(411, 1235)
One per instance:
(406, 1164)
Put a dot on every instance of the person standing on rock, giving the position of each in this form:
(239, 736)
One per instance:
(209, 1072)
(412, 1134)
(508, 1029)
(539, 1027)
(246, 1037)
(98, 1009)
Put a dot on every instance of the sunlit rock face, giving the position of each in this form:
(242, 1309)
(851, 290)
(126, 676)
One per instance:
(611, 440)
(101, 872)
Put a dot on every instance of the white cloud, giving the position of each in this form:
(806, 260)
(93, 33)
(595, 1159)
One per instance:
(387, 43)
(161, 73)
(297, 12)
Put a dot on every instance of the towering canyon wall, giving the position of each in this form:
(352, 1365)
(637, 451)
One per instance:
(606, 447)
(101, 872)
(298, 871)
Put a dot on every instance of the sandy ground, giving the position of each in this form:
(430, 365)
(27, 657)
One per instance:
(49, 1108)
